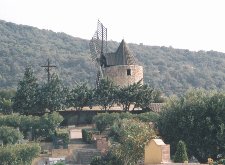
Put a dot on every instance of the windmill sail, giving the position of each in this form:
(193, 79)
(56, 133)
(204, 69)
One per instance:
(98, 48)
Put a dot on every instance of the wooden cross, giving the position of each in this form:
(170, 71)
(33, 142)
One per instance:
(47, 68)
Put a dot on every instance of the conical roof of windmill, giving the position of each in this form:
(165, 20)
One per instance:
(122, 56)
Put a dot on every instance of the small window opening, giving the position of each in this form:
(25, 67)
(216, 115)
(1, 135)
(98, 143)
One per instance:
(128, 72)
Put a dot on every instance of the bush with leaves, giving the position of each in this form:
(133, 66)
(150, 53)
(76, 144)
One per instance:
(181, 153)
(44, 126)
(6, 101)
(63, 135)
(197, 118)
(86, 135)
(10, 135)
(19, 154)
(80, 96)
(6, 106)
(105, 120)
(51, 96)
(129, 138)
(59, 163)
(148, 117)
(105, 94)
(108, 159)
(47, 125)
(12, 120)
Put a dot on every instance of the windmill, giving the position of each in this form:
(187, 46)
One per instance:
(98, 48)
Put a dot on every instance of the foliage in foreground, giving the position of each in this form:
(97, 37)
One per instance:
(19, 154)
(198, 119)
(129, 138)
(86, 136)
(44, 126)
(10, 135)
(6, 102)
(108, 159)
(106, 120)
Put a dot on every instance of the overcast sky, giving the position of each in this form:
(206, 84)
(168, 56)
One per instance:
(186, 24)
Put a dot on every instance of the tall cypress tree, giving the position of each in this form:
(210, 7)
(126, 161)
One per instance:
(25, 97)
(181, 153)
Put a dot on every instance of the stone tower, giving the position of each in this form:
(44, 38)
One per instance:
(122, 68)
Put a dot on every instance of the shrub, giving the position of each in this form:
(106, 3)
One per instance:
(104, 120)
(64, 135)
(97, 160)
(181, 153)
(129, 137)
(126, 115)
(148, 117)
(86, 136)
(44, 126)
(19, 154)
(10, 135)
(108, 159)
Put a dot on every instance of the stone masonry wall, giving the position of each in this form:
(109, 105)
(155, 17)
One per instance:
(118, 74)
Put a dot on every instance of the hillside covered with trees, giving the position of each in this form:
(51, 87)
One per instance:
(173, 71)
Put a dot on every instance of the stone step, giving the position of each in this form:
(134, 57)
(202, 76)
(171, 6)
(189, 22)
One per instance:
(84, 156)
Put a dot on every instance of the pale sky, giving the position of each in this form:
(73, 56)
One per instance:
(186, 24)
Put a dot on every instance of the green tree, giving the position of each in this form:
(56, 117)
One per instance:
(27, 152)
(107, 159)
(138, 95)
(197, 118)
(129, 139)
(105, 120)
(12, 120)
(47, 125)
(6, 106)
(148, 117)
(25, 97)
(80, 96)
(105, 94)
(7, 93)
(23, 122)
(128, 95)
(145, 95)
(19, 154)
(10, 135)
(181, 153)
(6, 100)
(52, 96)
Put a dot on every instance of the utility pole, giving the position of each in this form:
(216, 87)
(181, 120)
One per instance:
(47, 68)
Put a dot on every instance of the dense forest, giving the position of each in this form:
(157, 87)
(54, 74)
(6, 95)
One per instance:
(173, 71)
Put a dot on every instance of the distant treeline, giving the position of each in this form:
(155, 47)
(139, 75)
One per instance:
(173, 71)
